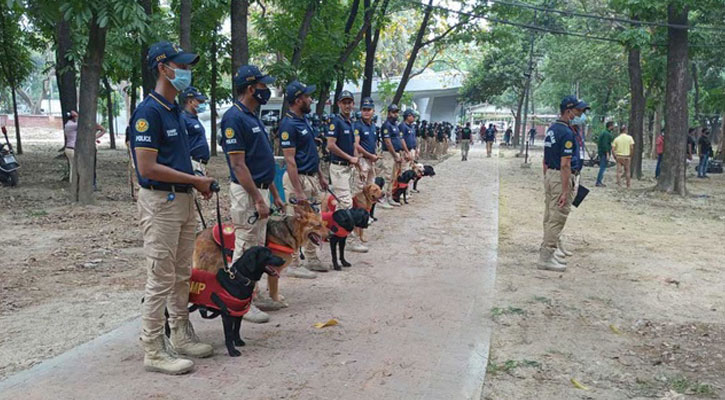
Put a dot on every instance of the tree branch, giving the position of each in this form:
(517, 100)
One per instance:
(444, 34)
(356, 40)
(428, 64)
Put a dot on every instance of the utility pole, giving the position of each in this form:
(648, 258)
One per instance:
(529, 72)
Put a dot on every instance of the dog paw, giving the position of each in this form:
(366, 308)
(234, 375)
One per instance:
(234, 353)
(239, 342)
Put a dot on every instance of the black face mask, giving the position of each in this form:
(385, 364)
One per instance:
(262, 95)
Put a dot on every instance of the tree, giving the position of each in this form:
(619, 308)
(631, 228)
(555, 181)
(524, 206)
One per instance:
(15, 64)
(240, 42)
(636, 110)
(185, 25)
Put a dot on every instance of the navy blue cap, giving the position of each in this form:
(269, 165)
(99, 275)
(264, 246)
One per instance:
(192, 92)
(407, 112)
(346, 94)
(296, 89)
(248, 74)
(568, 103)
(582, 105)
(367, 102)
(167, 51)
(393, 107)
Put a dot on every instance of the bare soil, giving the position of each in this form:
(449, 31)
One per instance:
(638, 314)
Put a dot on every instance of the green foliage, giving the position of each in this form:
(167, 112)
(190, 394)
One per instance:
(15, 60)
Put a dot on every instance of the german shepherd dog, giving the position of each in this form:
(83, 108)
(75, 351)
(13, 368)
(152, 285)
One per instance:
(231, 294)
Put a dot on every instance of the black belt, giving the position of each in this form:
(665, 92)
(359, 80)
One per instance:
(548, 167)
(169, 187)
(310, 173)
(262, 185)
(343, 163)
(199, 160)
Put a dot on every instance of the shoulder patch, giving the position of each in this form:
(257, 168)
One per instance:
(357, 132)
(385, 130)
(568, 144)
(142, 125)
(229, 133)
(332, 127)
(285, 135)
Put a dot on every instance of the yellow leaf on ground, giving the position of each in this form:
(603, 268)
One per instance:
(331, 322)
(578, 385)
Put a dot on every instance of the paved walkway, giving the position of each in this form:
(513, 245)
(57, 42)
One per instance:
(412, 312)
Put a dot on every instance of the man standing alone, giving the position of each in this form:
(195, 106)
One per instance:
(705, 152)
(604, 148)
(622, 149)
(465, 141)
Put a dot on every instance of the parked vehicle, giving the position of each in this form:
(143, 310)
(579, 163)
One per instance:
(8, 163)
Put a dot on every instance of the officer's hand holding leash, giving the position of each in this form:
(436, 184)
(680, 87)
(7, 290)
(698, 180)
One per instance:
(203, 185)
(262, 209)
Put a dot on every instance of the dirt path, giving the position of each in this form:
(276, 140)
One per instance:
(412, 313)
(638, 314)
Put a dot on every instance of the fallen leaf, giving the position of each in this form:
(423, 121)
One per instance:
(615, 329)
(578, 385)
(331, 322)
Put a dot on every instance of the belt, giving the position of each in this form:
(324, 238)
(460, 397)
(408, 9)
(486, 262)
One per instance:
(170, 187)
(200, 160)
(548, 167)
(310, 173)
(263, 185)
(340, 162)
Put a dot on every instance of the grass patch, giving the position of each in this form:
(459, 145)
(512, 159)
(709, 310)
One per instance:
(543, 300)
(497, 311)
(36, 213)
(509, 365)
(684, 385)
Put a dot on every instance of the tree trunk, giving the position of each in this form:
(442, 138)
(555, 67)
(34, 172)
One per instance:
(340, 69)
(147, 79)
(18, 143)
(413, 53)
(659, 110)
(212, 97)
(134, 98)
(518, 130)
(82, 181)
(721, 152)
(109, 110)
(185, 25)
(65, 71)
(240, 44)
(300, 44)
(636, 110)
(323, 96)
(673, 172)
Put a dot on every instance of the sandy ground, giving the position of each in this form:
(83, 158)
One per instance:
(639, 312)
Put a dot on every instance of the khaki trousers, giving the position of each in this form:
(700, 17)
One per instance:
(554, 216)
(168, 228)
(465, 146)
(246, 235)
(70, 153)
(340, 176)
(388, 167)
(365, 176)
(313, 192)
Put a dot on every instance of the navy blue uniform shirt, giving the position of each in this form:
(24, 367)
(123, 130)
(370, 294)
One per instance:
(242, 131)
(408, 132)
(341, 129)
(156, 125)
(577, 156)
(198, 145)
(297, 133)
(559, 142)
(368, 135)
(390, 131)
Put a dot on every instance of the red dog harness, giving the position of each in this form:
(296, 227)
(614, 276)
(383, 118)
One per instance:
(333, 226)
(203, 284)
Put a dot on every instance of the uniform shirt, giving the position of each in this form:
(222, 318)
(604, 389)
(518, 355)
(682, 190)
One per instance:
(157, 126)
(705, 146)
(621, 144)
(242, 131)
(440, 134)
(490, 134)
(341, 129)
(577, 157)
(297, 133)
(559, 143)
(198, 146)
(408, 132)
(390, 131)
(604, 144)
(466, 134)
(368, 136)
(429, 132)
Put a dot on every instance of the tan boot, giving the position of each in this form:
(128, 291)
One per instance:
(547, 261)
(185, 342)
(564, 250)
(560, 257)
(157, 358)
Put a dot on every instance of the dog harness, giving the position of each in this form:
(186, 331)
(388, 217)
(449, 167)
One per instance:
(229, 238)
(333, 226)
(204, 284)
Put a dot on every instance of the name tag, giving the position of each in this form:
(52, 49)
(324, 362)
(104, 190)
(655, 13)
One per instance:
(347, 131)
(304, 132)
(171, 133)
(256, 129)
(197, 126)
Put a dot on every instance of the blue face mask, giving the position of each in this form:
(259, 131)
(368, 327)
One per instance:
(202, 108)
(182, 78)
(580, 120)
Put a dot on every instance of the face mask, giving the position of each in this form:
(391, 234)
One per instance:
(182, 78)
(580, 120)
(202, 108)
(262, 95)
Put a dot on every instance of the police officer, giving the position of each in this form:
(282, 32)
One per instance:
(303, 181)
(408, 131)
(394, 147)
(365, 143)
(192, 100)
(465, 141)
(251, 168)
(341, 145)
(558, 151)
(161, 153)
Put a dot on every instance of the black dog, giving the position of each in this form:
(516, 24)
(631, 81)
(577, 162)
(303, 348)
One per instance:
(401, 185)
(225, 293)
(427, 171)
(341, 223)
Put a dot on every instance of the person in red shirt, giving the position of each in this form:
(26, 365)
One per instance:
(660, 148)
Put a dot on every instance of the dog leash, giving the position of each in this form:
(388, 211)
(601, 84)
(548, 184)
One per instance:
(214, 187)
(198, 210)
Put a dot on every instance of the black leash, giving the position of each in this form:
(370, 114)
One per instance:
(198, 209)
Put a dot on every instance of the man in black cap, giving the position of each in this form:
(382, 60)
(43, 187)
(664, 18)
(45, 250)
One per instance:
(252, 169)
(192, 100)
(161, 153)
(558, 150)
(303, 181)
(392, 157)
(408, 132)
(465, 141)
(341, 145)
